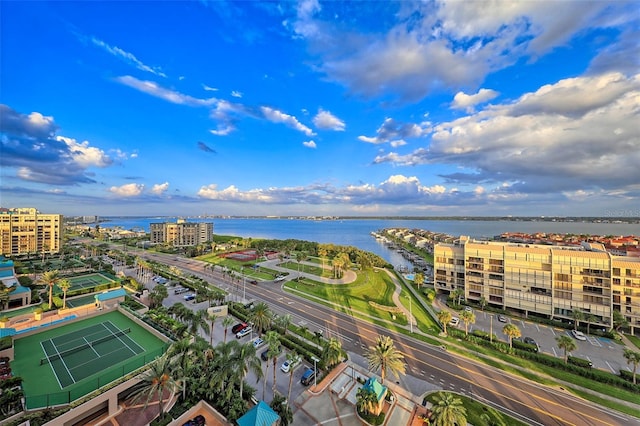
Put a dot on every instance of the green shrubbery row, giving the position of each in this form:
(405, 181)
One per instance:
(578, 366)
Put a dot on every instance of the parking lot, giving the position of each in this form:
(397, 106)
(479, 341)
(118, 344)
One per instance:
(604, 353)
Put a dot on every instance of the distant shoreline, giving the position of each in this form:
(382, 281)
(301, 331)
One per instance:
(611, 219)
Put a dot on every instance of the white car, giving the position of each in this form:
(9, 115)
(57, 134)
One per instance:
(287, 366)
(279, 278)
(258, 342)
(454, 322)
(245, 331)
(578, 335)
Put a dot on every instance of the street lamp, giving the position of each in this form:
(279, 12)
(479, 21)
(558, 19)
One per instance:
(410, 314)
(315, 372)
(244, 286)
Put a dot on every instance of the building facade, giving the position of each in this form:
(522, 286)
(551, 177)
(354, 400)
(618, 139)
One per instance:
(552, 281)
(181, 233)
(27, 231)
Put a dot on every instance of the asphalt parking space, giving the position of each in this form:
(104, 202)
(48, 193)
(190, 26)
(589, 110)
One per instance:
(604, 353)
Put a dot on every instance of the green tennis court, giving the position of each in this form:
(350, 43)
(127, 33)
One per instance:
(79, 354)
(88, 280)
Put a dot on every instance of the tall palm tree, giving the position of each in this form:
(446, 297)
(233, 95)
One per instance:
(385, 357)
(4, 297)
(333, 353)
(282, 409)
(64, 285)
(300, 256)
(196, 321)
(226, 323)
(632, 358)
(272, 338)
(512, 331)
(567, 344)
(245, 359)
(444, 317)
(577, 316)
(467, 317)
(448, 410)
(292, 356)
(589, 318)
(212, 319)
(156, 381)
(180, 353)
(261, 317)
(50, 278)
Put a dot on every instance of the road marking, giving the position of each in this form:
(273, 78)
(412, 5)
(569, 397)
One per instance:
(610, 367)
(594, 341)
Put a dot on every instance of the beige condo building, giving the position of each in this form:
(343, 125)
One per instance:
(27, 231)
(181, 233)
(550, 281)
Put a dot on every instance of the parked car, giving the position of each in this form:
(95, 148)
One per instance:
(578, 335)
(279, 278)
(258, 342)
(240, 334)
(288, 366)
(468, 309)
(238, 327)
(265, 355)
(502, 318)
(454, 322)
(189, 297)
(308, 377)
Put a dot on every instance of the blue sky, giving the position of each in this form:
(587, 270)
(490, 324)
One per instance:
(321, 108)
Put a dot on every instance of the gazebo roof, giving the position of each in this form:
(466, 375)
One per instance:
(259, 415)
(376, 387)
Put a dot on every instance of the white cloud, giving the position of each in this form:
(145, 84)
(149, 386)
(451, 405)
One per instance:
(84, 155)
(579, 134)
(127, 190)
(160, 188)
(309, 144)
(326, 121)
(236, 94)
(127, 57)
(468, 102)
(153, 89)
(279, 117)
(209, 88)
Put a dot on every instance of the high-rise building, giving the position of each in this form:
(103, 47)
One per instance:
(553, 281)
(181, 233)
(27, 231)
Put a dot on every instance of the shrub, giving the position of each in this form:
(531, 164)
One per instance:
(580, 362)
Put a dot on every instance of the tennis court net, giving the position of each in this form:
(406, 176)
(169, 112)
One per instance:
(84, 346)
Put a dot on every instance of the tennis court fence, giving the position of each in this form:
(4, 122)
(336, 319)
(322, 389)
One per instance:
(84, 346)
(85, 387)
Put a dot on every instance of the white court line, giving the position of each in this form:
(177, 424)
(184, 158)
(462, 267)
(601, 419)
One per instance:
(91, 346)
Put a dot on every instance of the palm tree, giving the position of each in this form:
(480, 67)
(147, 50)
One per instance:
(292, 356)
(282, 409)
(226, 323)
(448, 410)
(179, 352)
(567, 344)
(155, 382)
(577, 316)
(385, 357)
(456, 295)
(50, 278)
(261, 317)
(511, 330)
(322, 252)
(444, 317)
(272, 338)
(300, 256)
(64, 285)
(4, 297)
(467, 317)
(196, 321)
(245, 359)
(589, 318)
(333, 353)
(418, 279)
(365, 400)
(483, 303)
(283, 321)
(634, 359)
(212, 319)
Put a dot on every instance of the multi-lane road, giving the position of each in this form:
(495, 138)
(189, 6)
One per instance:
(529, 401)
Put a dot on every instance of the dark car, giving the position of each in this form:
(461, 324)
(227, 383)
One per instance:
(199, 420)
(254, 282)
(238, 327)
(308, 376)
(265, 355)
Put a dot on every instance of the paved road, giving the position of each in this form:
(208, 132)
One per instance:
(529, 401)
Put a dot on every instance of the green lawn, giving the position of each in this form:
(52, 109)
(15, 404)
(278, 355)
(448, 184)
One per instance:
(309, 269)
(479, 414)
